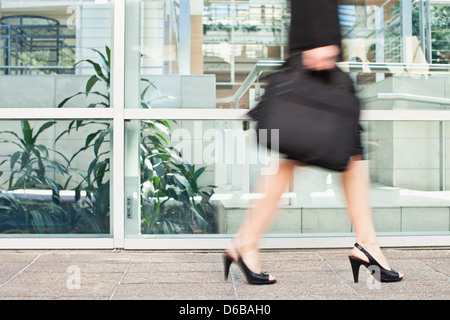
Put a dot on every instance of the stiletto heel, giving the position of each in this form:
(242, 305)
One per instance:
(356, 264)
(227, 261)
(380, 273)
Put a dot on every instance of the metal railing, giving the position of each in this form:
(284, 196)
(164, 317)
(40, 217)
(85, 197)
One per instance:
(413, 98)
(254, 75)
(395, 68)
(360, 67)
(18, 42)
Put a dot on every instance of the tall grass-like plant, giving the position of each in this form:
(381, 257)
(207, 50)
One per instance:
(29, 170)
(95, 180)
(30, 163)
(173, 201)
(32, 169)
(172, 208)
(102, 76)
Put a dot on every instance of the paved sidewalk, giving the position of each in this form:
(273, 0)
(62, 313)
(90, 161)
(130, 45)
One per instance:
(184, 275)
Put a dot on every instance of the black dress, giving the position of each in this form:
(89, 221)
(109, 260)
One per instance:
(315, 23)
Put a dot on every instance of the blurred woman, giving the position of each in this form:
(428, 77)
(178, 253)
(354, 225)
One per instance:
(315, 32)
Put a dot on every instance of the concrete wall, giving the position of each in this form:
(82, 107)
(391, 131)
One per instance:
(406, 153)
(43, 91)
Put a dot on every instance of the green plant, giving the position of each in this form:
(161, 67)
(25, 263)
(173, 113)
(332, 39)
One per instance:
(29, 171)
(32, 168)
(172, 199)
(28, 167)
(30, 216)
(29, 164)
(440, 21)
(95, 180)
(172, 209)
(102, 75)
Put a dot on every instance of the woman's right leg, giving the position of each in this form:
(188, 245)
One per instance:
(260, 215)
(357, 189)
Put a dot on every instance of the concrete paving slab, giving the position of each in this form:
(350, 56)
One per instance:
(322, 274)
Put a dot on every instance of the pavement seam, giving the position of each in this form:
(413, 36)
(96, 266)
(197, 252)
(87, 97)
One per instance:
(436, 271)
(339, 278)
(20, 271)
(234, 283)
(121, 278)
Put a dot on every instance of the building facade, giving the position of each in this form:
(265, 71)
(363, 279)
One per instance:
(124, 125)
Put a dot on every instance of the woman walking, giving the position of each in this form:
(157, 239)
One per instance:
(315, 33)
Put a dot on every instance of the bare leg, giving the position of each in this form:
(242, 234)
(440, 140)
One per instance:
(357, 187)
(259, 217)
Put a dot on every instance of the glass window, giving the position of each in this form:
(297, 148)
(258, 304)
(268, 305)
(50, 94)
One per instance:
(199, 177)
(194, 177)
(190, 167)
(55, 177)
(55, 172)
(51, 50)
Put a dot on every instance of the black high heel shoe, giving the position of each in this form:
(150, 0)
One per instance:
(381, 274)
(252, 277)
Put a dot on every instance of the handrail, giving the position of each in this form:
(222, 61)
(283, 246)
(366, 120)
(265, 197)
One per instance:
(413, 98)
(255, 73)
(362, 67)
(394, 68)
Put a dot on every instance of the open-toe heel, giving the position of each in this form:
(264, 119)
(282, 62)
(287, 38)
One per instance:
(255, 278)
(380, 273)
(251, 277)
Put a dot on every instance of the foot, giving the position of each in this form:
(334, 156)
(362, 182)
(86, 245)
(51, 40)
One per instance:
(248, 253)
(375, 252)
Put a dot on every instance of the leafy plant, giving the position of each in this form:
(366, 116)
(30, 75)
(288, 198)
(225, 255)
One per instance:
(172, 209)
(31, 168)
(102, 75)
(95, 180)
(30, 216)
(172, 199)
(29, 164)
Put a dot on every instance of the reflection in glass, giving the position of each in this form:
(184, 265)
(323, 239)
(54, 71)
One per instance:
(55, 177)
(41, 45)
(173, 198)
(199, 177)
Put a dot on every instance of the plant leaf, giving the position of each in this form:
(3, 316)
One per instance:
(62, 103)
(105, 60)
(90, 83)
(98, 70)
(91, 137)
(14, 159)
(44, 127)
(99, 142)
(27, 132)
(199, 172)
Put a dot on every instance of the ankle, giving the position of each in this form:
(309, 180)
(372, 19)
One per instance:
(368, 243)
(245, 243)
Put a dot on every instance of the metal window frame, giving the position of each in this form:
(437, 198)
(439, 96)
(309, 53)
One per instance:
(119, 115)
